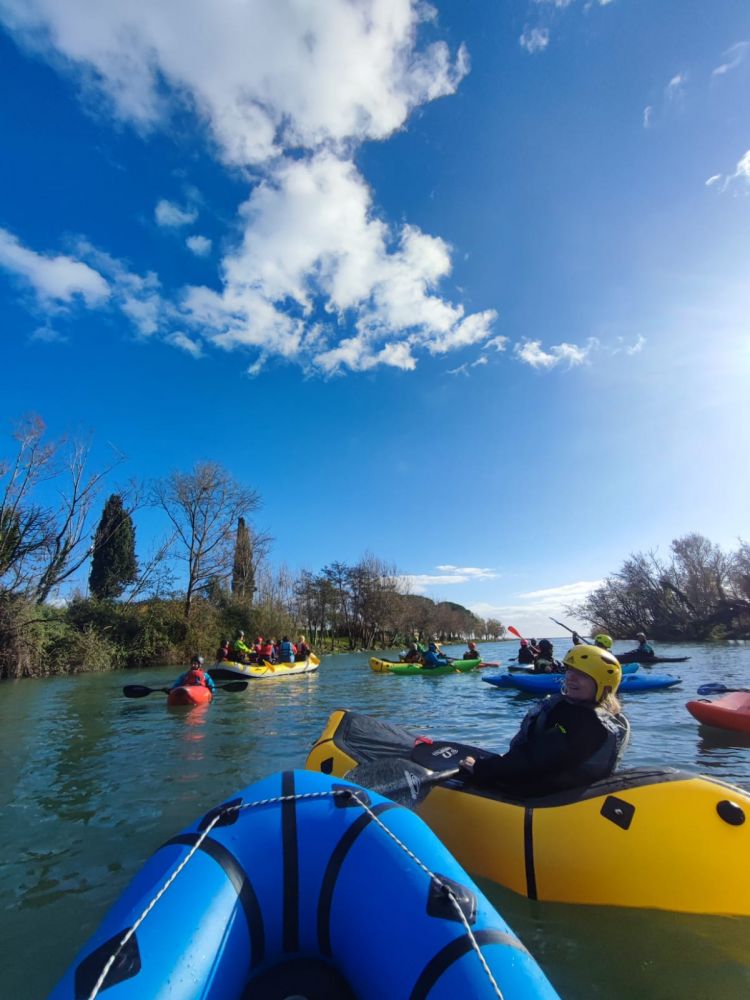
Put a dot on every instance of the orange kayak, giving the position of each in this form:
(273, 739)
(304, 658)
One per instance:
(730, 712)
(193, 694)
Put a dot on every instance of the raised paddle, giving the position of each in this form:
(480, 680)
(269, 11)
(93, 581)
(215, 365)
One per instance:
(142, 690)
(398, 779)
(568, 628)
(719, 689)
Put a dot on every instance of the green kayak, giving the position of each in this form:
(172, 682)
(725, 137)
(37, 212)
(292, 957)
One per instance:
(457, 666)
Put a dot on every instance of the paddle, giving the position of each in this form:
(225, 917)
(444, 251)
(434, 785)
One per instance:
(398, 779)
(719, 689)
(515, 632)
(568, 628)
(141, 690)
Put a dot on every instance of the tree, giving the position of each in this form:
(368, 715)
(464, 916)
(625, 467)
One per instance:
(243, 571)
(44, 543)
(203, 506)
(113, 565)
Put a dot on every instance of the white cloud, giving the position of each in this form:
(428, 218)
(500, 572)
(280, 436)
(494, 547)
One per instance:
(262, 76)
(741, 174)
(170, 215)
(185, 343)
(54, 278)
(676, 86)
(555, 3)
(419, 583)
(532, 353)
(534, 39)
(638, 346)
(137, 296)
(530, 612)
(310, 238)
(648, 113)
(199, 245)
(48, 335)
(733, 57)
(498, 343)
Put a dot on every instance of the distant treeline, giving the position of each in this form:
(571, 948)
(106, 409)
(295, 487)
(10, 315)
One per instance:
(133, 615)
(699, 592)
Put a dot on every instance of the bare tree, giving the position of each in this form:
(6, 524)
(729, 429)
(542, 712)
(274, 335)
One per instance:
(204, 506)
(44, 543)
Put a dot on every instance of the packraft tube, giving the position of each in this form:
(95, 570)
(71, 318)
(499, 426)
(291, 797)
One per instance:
(265, 671)
(308, 896)
(454, 667)
(730, 712)
(671, 837)
(189, 694)
(551, 683)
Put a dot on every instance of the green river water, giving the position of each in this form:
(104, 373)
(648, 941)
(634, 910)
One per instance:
(91, 783)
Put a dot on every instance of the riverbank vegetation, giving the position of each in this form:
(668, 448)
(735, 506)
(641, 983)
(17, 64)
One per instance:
(132, 612)
(698, 592)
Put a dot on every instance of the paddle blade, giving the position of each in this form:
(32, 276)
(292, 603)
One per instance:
(232, 686)
(712, 689)
(515, 632)
(314, 660)
(140, 690)
(718, 689)
(398, 779)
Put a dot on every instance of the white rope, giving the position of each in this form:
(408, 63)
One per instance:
(196, 847)
(446, 889)
(297, 797)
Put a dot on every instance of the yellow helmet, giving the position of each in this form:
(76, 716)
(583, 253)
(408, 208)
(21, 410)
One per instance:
(603, 667)
(603, 640)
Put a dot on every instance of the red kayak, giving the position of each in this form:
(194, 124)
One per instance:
(730, 712)
(193, 694)
(481, 666)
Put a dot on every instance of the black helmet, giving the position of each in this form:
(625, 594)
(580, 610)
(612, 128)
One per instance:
(545, 644)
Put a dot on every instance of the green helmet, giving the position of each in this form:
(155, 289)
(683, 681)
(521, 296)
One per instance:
(603, 640)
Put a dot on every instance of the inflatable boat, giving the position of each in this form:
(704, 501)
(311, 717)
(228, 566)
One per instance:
(265, 671)
(673, 840)
(309, 887)
(730, 712)
(541, 684)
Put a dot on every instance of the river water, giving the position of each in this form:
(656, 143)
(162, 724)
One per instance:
(92, 783)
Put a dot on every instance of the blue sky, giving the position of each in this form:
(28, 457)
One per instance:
(464, 285)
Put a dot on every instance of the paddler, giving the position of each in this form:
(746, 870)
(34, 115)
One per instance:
(195, 675)
(568, 739)
(434, 658)
(472, 653)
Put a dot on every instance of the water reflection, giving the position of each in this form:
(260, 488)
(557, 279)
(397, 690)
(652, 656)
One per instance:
(94, 782)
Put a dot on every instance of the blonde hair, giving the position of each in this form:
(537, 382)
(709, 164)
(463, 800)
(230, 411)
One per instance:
(611, 703)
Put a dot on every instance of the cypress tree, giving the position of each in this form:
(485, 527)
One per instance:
(243, 573)
(113, 565)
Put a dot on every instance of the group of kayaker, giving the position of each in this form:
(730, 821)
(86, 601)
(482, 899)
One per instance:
(432, 656)
(568, 739)
(540, 654)
(269, 650)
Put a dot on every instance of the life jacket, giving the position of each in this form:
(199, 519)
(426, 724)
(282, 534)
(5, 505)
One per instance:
(266, 651)
(195, 676)
(286, 652)
(222, 653)
(525, 655)
(601, 763)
